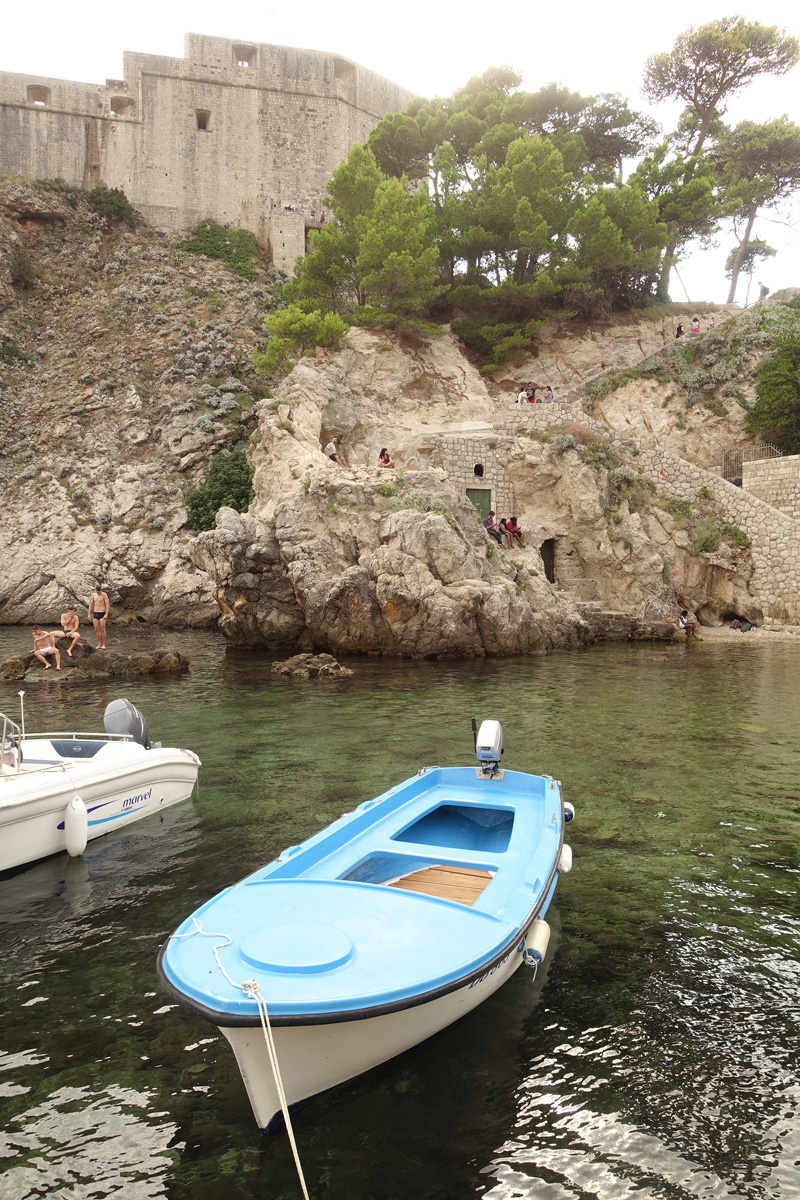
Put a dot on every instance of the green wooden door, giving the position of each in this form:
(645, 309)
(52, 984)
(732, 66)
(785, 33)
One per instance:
(482, 499)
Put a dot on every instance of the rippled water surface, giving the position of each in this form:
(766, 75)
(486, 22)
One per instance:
(658, 1054)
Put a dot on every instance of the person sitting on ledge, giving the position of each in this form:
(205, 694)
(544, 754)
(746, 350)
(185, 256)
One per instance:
(385, 459)
(492, 529)
(332, 451)
(686, 621)
(547, 398)
(69, 629)
(43, 645)
(695, 325)
(513, 532)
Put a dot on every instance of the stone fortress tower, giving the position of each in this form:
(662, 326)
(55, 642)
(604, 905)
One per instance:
(246, 134)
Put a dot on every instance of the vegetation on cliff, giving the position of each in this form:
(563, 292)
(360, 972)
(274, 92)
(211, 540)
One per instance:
(775, 415)
(229, 484)
(497, 208)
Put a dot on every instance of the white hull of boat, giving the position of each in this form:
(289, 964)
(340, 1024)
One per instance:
(315, 1058)
(33, 806)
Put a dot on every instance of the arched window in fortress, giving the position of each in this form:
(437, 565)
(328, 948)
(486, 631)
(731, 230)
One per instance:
(203, 118)
(38, 95)
(245, 56)
(121, 106)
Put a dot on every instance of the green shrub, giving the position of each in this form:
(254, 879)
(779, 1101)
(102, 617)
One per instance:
(11, 351)
(562, 442)
(385, 489)
(23, 275)
(422, 503)
(681, 510)
(229, 484)
(712, 531)
(294, 333)
(237, 248)
(113, 204)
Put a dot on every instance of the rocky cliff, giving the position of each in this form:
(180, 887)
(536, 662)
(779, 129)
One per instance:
(126, 363)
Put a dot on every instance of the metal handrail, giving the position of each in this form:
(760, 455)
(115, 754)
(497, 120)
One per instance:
(732, 460)
(92, 737)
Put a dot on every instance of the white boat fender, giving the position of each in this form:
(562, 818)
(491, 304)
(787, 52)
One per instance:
(76, 826)
(565, 859)
(536, 942)
(569, 811)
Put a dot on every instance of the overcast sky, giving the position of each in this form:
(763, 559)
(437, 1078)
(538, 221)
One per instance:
(432, 48)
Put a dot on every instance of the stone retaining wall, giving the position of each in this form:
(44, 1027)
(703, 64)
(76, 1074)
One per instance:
(776, 481)
(774, 535)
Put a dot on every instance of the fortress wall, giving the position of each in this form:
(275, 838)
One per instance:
(275, 130)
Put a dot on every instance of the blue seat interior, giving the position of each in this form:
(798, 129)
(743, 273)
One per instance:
(462, 827)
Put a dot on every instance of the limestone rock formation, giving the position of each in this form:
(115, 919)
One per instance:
(311, 666)
(89, 663)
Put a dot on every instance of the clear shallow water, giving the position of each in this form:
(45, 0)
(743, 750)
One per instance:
(658, 1055)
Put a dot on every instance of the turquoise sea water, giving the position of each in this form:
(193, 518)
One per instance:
(658, 1054)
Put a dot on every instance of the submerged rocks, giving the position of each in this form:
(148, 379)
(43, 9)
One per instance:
(88, 663)
(311, 666)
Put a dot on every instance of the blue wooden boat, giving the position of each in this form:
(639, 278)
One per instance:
(395, 921)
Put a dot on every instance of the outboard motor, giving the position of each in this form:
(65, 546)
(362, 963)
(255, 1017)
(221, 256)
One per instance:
(121, 717)
(489, 746)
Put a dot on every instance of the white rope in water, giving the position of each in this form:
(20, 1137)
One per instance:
(252, 990)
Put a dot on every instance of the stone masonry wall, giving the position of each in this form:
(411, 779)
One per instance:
(462, 454)
(238, 133)
(776, 481)
(774, 535)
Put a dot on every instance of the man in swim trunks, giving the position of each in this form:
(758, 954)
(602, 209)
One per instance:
(99, 605)
(42, 646)
(69, 628)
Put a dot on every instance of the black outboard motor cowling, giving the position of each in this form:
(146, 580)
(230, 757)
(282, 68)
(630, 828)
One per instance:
(122, 717)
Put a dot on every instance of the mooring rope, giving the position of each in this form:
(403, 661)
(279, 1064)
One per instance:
(252, 990)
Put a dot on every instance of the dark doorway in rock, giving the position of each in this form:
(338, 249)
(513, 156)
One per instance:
(482, 499)
(548, 553)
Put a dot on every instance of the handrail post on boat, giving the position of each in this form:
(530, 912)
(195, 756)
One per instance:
(22, 712)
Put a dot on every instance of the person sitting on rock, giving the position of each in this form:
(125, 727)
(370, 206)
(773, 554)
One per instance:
(491, 528)
(385, 459)
(686, 621)
(332, 451)
(695, 325)
(522, 398)
(513, 532)
(548, 397)
(69, 628)
(42, 646)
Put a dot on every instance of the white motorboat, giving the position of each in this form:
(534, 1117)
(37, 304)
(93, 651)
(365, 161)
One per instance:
(60, 790)
(384, 928)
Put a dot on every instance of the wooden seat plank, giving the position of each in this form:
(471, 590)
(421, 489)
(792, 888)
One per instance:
(460, 884)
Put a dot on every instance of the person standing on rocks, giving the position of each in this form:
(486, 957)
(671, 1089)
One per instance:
(99, 605)
(42, 646)
(70, 627)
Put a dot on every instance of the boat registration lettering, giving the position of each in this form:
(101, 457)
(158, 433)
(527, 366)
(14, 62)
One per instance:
(134, 800)
(491, 971)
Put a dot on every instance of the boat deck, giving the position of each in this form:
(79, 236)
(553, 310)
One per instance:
(462, 884)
